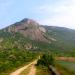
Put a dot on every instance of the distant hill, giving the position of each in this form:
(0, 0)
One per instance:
(30, 35)
(65, 38)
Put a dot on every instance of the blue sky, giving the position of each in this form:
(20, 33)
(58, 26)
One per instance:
(47, 12)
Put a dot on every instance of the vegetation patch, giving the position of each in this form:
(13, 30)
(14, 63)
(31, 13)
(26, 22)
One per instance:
(13, 59)
(44, 62)
(42, 70)
(65, 67)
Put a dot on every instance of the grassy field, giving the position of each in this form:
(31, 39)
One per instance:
(68, 65)
(65, 67)
(42, 71)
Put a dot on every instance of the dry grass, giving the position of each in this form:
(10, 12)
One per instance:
(26, 71)
(42, 71)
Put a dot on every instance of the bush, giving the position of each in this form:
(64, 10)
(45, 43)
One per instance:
(46, 60)
(10, 59)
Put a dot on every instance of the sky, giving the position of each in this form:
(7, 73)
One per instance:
(47, 12)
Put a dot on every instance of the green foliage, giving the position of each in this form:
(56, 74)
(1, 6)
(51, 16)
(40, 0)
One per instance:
(13, 52)
(65, 38)
(46, 60)
(14, 58)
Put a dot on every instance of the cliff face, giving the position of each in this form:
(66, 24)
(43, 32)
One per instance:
(29, 28)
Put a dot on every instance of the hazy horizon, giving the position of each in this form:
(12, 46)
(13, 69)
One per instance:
(46, 12)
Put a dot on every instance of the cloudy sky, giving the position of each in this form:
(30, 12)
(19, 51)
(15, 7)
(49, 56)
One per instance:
(47, 12)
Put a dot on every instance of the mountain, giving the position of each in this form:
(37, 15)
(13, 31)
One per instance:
(23, 41)
(65, 37)
(30, 35)
(30, 29)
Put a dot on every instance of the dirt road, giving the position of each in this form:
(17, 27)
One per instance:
(32, 72)
(72, 59)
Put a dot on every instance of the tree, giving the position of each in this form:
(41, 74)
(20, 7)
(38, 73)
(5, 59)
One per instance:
(46, 60)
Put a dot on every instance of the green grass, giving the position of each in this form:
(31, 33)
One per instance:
(68, 65)
(42, 71)
(14, 69)
(65, 67)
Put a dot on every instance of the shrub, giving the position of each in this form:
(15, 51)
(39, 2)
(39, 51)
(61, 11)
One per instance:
(46, 60)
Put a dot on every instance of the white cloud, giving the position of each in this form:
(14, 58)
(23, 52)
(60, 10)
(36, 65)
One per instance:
(61, 13)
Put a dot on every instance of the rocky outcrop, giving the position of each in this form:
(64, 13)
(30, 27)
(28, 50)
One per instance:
(30, 29)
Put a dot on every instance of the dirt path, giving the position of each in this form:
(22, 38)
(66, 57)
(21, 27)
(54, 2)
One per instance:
(17, 72)
(33, 70)
(72, 59)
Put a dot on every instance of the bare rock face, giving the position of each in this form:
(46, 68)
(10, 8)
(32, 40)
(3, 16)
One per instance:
(29, 28)
(26, 24)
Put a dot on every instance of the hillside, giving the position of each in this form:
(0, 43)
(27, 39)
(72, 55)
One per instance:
(28, 34)
(65, 38)
(28, 28)
(21, 42)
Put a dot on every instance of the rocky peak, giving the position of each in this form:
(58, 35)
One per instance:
(29, 22)
(30, 29)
